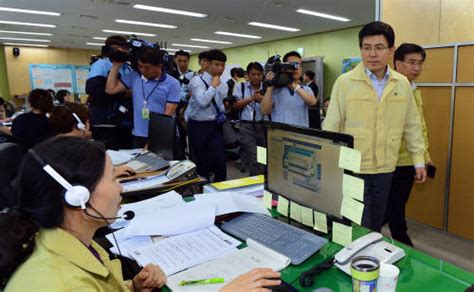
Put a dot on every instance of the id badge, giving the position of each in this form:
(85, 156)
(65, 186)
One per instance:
(145, 113)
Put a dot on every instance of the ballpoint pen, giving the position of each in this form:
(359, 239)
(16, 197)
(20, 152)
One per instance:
(202, 281)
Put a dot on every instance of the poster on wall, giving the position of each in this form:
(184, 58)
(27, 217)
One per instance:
(80, 78)
(53, 77)
(350, 63)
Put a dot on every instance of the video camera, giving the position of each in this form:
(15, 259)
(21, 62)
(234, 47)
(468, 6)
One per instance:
(134, 47)
(283, 72)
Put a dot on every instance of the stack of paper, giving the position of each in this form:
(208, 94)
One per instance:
(229, 267)
(230, 202)
(122, 156)
(180, 252)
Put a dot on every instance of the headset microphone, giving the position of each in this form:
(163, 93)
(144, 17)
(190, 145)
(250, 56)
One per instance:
(127, 215)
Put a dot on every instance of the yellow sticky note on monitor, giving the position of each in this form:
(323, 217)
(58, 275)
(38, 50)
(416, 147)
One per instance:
(353, 187)
(307, 216)
(341, 233)
(262, 155)
(320, 222)
(350, 159)
(295, 211)
(240, 182)
(352, 209)
(282, 206)
(267, 199)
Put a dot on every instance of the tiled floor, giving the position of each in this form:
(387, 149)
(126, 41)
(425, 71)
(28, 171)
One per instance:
(437, 243)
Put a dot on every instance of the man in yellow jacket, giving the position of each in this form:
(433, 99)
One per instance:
(408, 60)
(375, 105)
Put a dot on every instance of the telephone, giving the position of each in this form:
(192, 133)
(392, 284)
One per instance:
(371, 244)
(183, 170)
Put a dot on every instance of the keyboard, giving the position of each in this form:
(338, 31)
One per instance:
(290, 241)
(147, 161)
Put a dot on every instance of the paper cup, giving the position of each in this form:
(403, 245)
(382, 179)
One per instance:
(388, 277)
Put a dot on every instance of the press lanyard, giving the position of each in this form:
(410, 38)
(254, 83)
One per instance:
(145, 110)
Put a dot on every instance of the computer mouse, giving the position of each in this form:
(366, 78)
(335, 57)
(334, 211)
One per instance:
(283, 287)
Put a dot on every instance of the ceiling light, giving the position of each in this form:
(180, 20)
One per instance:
(25, 32)
(100, 38)
(29, 11)
(167, 10)
(190, 46)
(145, 23)
(129, 32)
(212, 41)
(26, 40)
(95, 44)
(273, 26)
(249, 36)
(26, 45)
(27, 23)
(314, 13)
(175, 50)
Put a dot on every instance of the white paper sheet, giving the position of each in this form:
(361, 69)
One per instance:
(122, 156)
(230, 202)
(173, 220)
(145, 183)
(180, 252)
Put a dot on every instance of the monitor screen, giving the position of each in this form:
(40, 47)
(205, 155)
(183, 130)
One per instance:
(302, 165)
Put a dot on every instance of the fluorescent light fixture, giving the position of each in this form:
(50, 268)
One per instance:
(168, 10)
(212, 41)
(27, 23)
(99, 38)
(25, 32)
(29, 11)
(95, 44)
(240, 35)
(25, 45)
(190, 46)
(26, 40)
(145, 23)
(273, 26)
(324, 15)
(175, 50)
(129, 32)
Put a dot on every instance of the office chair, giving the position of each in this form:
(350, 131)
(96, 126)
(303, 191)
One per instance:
(163, 137)
(11, 156)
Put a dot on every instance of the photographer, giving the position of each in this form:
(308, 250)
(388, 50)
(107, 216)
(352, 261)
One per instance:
(110, 115)
(153, 90)
(252, 131)
(289, 104)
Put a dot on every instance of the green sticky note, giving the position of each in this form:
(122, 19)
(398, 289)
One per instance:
(320, 222)
(295, 211)
(353, 187)
(282, 207)
(352, 209)
(262, 155)
(267, 199)
(306, 216)
(350, 159)
(341, 233)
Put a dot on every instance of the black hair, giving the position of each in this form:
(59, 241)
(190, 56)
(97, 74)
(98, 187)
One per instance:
(377, 28)
(326, 99)
(405, 49)
(254, 66)
(202, 55)
(41, 199)
(151, 56)
(61, 94)
(116, 40)
(237, 71)
(310, 74)
(61, 120)
(182, 53)
(41, 99)
(216, 55)
(2, 101)
(291, 54)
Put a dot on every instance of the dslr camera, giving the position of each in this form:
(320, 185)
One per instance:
(283, 72)
(134, 47)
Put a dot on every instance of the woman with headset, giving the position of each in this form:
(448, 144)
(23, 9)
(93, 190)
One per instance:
(67, 190)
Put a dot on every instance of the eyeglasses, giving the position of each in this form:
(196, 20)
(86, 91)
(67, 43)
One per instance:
(414, 63)
(377, 49)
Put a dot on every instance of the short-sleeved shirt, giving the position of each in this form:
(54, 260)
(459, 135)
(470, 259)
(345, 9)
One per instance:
(157, 94)
(103, 66)
(251, 110)
(289, 107)
(201, 107)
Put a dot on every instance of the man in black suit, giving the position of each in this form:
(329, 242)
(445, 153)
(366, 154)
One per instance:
(308, 80)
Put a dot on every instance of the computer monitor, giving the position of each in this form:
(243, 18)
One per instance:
(302, 166)
(162, 135)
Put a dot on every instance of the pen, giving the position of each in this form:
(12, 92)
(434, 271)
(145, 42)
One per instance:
(202, 281)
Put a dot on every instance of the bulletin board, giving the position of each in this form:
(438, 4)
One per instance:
(80, 74)
(70, 77)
